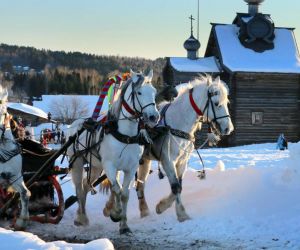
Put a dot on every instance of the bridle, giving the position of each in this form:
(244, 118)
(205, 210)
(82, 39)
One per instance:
(206, 108)
(136, 114)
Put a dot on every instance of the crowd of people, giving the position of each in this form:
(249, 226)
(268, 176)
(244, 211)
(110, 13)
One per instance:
(24, 131)
(54, 136)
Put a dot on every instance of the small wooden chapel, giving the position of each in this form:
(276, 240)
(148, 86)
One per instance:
(261, 65)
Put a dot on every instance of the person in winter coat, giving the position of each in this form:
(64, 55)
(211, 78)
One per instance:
(282, 142)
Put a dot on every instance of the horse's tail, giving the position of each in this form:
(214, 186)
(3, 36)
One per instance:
(105, 186)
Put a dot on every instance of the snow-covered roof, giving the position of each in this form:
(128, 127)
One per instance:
(284, 58)
(27, 109)
(88, 101)
(184, 64)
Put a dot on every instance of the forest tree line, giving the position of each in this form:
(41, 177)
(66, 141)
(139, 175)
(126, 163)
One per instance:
(59, 72)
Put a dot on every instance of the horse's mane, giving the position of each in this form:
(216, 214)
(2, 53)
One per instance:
(205, 81)
(115, 108)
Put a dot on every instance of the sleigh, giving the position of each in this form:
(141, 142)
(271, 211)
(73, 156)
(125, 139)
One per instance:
(46, 203)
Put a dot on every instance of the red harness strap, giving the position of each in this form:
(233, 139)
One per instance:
(194, 105)
(128, 109)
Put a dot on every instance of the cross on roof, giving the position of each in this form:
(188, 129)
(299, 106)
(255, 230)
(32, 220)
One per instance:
(192, 19)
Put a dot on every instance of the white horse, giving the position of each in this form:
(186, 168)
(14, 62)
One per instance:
(11, 162)
(201, 100)
(117, 148)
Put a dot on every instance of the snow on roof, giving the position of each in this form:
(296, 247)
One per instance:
(27, 109)
(87, 100)
(284, 58)
(184, 64)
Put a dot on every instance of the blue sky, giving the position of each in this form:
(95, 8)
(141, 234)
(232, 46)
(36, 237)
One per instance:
(144, 28)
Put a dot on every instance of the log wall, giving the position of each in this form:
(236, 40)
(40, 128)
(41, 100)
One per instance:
(275, 96)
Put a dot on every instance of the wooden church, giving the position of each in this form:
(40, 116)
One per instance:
(261, 65)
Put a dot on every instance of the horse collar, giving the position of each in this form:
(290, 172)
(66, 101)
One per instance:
(194, 105)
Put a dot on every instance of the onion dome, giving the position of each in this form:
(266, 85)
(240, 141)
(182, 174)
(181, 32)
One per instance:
(191, 44)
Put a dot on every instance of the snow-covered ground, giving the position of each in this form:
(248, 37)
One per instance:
(250, 199)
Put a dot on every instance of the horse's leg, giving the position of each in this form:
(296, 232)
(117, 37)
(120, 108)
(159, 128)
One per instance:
(143, 172)
(168, 165)
(19, 186)
(116, 190)
(77, 177)
(110, 203)
(180, 210)
(93, 176)
(128, 177)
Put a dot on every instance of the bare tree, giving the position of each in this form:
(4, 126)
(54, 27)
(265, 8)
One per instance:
(69, 108)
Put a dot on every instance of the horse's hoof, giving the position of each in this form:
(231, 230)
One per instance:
(125, 230)
(183, 218)
(20, 224)
(158, 210)
(145, 213)
(80, 223)
(77, 223)
(114, 219)
(106, 212)
(81, 220)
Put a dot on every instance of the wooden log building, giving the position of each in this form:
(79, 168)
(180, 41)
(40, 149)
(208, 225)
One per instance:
(261, 65)
(30, 115)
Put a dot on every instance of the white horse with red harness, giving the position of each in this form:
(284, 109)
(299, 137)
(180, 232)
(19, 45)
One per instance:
(11, 162)
(116, 146)
(203, 99)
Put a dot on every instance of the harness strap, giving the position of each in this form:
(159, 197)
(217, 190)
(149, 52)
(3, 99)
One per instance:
(163, 113)
(194, 105)
(181, 134)
(125, 138)
(128, 109)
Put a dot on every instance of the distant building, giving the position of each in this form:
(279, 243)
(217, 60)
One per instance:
(23, 70)
(30, 115)
(183, 69)
(261, 65)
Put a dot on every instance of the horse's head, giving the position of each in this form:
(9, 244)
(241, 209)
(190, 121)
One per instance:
(143, 97)
(218, 114)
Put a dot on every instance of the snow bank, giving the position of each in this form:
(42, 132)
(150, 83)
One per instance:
(24, 240)
(249, 200)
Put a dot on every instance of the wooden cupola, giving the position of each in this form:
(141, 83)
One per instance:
(256, 30)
